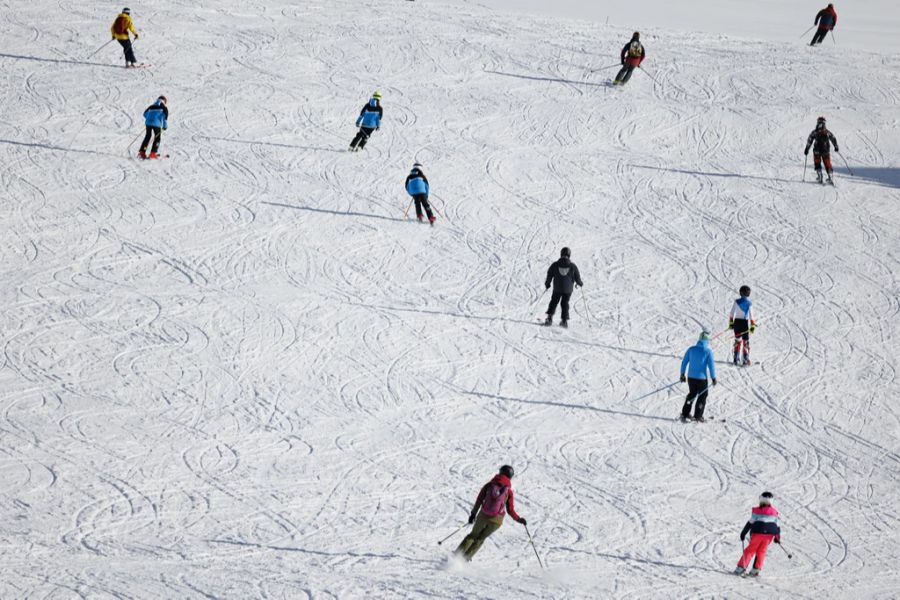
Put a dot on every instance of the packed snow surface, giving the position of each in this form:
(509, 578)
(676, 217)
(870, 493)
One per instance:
(240, 372)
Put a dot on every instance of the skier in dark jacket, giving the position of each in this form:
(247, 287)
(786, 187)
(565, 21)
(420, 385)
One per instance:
(565, 276)
(417, 187)
(820, 140)
(826, 19)
(369, 120)
(156, 119)
(494, 500)
(632, 55)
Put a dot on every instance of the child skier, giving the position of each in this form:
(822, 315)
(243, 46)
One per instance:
(821, 139)
(763, 528)
(740, 319)
(632, 55)
(156, 119)
(826, 19)
(369, 120)
(495, 499)
(119, 30)
(564, 275)
(700, 358)
(417, 187)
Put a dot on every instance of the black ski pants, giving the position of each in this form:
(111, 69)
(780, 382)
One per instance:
(697, 388)
(554, 300)
(362, 136)
(819, 36)
(154, 132)
(421, 201)
(129, 53)
(625, 73)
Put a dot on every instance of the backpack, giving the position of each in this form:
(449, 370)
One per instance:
(634, 50)
(494, 503)
(120, 26)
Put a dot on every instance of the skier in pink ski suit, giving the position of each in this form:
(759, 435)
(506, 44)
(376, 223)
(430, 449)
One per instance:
(763, 528)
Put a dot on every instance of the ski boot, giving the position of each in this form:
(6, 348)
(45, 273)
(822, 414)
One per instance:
(142, 154)
(830, 181)
(754, 572)
(420, 218)
(740, 571)
(548, 321)
(153, 155)
(564, 324)
(431, 221)
(683, 418)
(819, 177)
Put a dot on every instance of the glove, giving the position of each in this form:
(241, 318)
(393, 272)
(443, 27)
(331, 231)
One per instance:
(523, 521)
(777, 539)
(742, 537)
(578, 285)
(471, 519)
(682, 379)
(752, 327)
(806, 151)
(836, 149)
(731, 324)
(714, 381)
(136, 36)
(546, 286)
(377, 128)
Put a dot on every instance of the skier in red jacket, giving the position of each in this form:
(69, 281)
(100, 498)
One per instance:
(826, 19)
(495, 499)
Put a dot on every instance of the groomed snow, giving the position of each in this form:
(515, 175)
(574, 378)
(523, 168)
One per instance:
(240, 373)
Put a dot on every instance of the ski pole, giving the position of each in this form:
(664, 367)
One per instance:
(586, 311)
(805, 32)
(665, 387)
(533, 547)
(128, 150)
(99, 49)
(455, 531)
(406, 212)
(650, 76)
(805, 162)
(832, 37)
(785, 551)
(846, 163)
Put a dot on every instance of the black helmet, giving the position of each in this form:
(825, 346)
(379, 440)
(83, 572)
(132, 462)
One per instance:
(565, 252)
(766, 498)
(507, 470)
(126, 11)
(745, 290)
(636, 35)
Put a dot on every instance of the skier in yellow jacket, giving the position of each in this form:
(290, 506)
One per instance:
(119, 30)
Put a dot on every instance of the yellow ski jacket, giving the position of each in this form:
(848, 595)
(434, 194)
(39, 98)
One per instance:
(121, 26)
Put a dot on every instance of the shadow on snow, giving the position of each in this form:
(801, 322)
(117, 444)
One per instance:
(550, 79)
(63, 61)
(333, 212)
(885, 176)
(708, 174)
(275, 144)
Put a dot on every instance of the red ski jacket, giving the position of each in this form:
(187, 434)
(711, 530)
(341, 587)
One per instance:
(826, 18)
(509, 506)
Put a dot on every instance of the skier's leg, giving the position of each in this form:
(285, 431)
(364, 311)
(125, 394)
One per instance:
(146, 141)
(746, 352)
(356, 139)
(157, 134)
(554, 300)
(470, 538)
(817, 164)
(418, 200)
(689, 400)
(427, 207)
(749, 551)
(489, 526)
(737, 346)
(129, 52)
(761, 550)
(700, 406)
(366, 132)
(565, 306)
(629, 70)
(826, 158)
(621, 74)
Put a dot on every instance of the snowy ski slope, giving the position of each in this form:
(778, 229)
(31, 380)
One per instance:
(240, 373)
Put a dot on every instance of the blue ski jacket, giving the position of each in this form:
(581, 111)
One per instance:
(370, 115)
(700, 358)
(157, 115)
(416, 183)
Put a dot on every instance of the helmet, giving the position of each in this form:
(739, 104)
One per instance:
(704, 335)
(745, 290)
(164, 99)
(635, 35)
(417, 165)
(126, 11)
(377, 95)
(766, 498)
(820, 120)
(507, 470)
(565, 252)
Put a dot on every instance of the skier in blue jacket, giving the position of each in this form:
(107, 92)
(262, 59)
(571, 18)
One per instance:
(417, 187)
(696, 362)
(369, 120)
(156, 119)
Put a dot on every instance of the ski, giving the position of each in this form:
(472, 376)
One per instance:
(139, 66)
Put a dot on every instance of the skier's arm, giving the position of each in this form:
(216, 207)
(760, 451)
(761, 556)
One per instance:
(361, 114)
(818, 16)
(731, 314)
(745, 531)
(684, 362)
(511, 507)
(833, 141)
(577, 275)
(809, 142)
(549, 276)
(478, 502)
(834, 23)
(624, 52)
(711, 365)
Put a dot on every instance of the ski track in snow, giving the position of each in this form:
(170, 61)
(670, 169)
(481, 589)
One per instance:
(240, 373)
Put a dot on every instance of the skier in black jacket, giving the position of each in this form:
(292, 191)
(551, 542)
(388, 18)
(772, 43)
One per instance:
(820, 140)
(565, 276)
